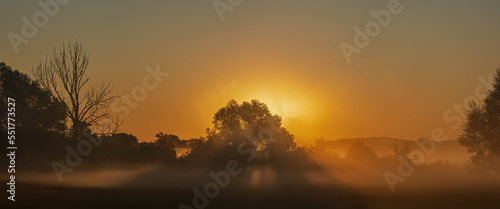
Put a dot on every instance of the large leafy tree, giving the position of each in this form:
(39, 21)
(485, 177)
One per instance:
(39, 122)
(248, 126)
(481, 132)
(252, 120)
(35, 108)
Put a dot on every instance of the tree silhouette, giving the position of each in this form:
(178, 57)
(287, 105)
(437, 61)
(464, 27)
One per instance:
(359, 153)
(250, 120)
(115, 148)
(35, 107)
(63, 75)
(481, 132)
(402, 148)
(39, 122)
(165, 147)
(249, 126)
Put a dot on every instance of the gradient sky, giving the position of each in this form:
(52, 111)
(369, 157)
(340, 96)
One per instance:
(285, 53)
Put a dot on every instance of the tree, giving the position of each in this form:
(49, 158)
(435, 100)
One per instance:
(35, 107)
(165, 147)
(481, 132)
(39, 122)
(359, 153)
(63, 75)
(236, 127)
(116, 148)
(234, 123)
(402, 148)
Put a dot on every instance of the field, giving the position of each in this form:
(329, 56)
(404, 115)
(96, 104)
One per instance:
(292, 196)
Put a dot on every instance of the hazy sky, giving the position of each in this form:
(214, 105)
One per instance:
(284, 52)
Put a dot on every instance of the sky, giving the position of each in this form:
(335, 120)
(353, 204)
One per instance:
(423, 64)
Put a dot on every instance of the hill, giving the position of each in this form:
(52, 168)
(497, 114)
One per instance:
(449, 150)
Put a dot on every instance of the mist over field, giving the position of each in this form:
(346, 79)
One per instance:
(321, 178)
(220, 104)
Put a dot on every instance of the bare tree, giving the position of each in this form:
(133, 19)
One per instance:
(63, 74)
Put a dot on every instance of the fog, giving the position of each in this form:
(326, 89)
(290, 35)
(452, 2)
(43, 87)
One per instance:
(323, 179)
(328, 168)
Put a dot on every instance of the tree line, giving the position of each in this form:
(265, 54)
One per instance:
(59, 102)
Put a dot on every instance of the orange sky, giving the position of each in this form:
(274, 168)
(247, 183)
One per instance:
(285, 53)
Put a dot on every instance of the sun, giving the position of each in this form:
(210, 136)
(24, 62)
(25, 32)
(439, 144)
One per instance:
(287, 108)
(290, 110)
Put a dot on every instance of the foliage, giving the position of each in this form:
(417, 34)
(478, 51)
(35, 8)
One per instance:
(402, 148)
(235, 123)
(35, 107)
(359, 152)
(481, 132)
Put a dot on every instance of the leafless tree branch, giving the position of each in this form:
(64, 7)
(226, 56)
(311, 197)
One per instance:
(63, 75)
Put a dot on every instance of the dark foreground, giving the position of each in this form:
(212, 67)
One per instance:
(35, 196)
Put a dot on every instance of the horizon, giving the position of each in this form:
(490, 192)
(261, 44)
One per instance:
(399, 86)
(250, 104)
